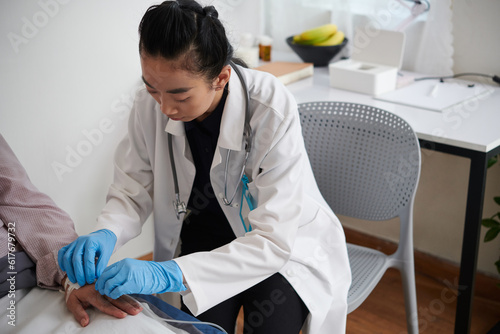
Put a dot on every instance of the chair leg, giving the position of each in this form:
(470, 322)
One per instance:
(410, 294)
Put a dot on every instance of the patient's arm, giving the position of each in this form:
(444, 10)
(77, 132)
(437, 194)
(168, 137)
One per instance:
(86, 296)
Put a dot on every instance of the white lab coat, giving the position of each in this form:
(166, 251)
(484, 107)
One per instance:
(294, 231)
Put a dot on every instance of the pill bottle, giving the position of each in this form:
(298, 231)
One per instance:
(265, 45)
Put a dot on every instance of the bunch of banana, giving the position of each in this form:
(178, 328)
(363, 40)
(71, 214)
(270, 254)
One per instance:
(325, 35)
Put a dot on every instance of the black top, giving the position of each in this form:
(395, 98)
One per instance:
(205, 227)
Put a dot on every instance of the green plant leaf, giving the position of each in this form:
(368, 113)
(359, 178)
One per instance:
(492, 161)
(491, 223)
(497, 200)
(491, 234)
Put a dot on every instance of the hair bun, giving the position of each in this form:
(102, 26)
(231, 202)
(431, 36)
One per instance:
(210, 11)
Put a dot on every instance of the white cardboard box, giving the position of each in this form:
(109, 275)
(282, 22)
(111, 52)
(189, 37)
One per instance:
(374, 64)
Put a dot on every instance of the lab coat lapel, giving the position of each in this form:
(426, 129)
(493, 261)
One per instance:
(231, 129)
(231, 133)
(183, 158)
(175, 128)
(233, 116)
(230, 139)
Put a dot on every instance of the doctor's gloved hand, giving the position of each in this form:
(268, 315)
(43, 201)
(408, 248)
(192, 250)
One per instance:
(78, 258)
(136, 276)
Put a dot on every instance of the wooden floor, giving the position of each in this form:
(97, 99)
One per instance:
(437, 281)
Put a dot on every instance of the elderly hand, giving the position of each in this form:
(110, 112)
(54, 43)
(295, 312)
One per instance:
(86, 296)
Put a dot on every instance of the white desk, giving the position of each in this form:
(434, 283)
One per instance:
(474, 126)
(471, 130)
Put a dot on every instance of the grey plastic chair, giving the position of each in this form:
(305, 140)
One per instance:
(366, 162)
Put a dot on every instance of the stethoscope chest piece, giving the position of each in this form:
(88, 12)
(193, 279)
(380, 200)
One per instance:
(179, 207)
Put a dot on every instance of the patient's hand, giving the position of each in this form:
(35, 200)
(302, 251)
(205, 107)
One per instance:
(86, 296)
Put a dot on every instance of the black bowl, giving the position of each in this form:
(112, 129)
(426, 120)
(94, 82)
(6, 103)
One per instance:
(318, 55)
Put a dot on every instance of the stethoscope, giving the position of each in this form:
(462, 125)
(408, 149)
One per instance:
(180, 206)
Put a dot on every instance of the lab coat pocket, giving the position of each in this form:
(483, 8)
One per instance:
(320, 244)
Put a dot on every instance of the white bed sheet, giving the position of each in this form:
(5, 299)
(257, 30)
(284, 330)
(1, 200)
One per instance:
(44, 311)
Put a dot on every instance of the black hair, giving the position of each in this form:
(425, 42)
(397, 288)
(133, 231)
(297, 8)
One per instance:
(184, 30)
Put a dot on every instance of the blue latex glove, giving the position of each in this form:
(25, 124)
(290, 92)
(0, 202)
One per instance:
(78, 258)
(135, 276)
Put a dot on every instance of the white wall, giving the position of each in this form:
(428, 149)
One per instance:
(68, 68)
(68, 73)
(476, 42)
(441, 198)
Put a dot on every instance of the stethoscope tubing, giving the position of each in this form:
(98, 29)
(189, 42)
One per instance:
(224, 198)
(179, 205)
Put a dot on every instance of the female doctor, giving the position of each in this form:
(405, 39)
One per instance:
(200, 126)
